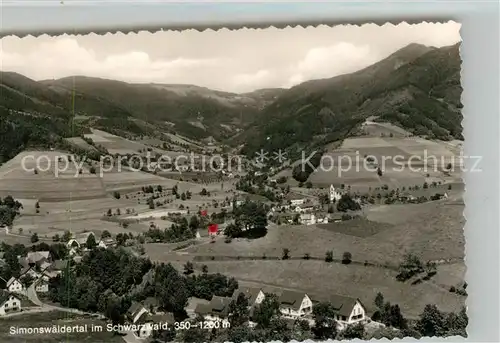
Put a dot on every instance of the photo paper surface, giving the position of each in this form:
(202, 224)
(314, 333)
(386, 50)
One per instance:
(233, 185)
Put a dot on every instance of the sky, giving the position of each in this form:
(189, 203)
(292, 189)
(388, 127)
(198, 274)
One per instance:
(235, 61)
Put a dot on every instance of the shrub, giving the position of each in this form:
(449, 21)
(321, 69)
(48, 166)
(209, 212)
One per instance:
(329, 256)
(347, 257)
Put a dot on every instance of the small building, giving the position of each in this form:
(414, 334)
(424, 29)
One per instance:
(334, 195)
(348, 310)
(42, 285)
(138, 315)
(216, 310)
(295, 199)
(31, 271)
(295, 304)
(79, 241)
(107, 243)
(307, 219)
(152, 305)
(303, 208)
(14, 285)
(9, 302)
(254, 295)
(38, 257)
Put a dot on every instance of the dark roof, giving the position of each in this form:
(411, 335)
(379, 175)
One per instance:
(162, 318)
(133, 309)
(218, 306)
(203, 309)
(295, 196)
(25, 270)
(291, 299)
(151, 301)
(59, 265)
(342, 304)
(4, 295)
(143, 318)
(251, 293)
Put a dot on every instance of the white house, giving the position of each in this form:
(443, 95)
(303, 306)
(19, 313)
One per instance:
(303, 208)
(137, 314)
(79, 241)
(295, 304)
(255, 296)
(9, 302)
(216, 310)
(307, 219)
(15, 286)
(106, 243)
(297, 201)
(348, 310)
(334, 194)
(42, 285)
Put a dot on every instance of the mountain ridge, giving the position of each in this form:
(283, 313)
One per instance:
(417, 88)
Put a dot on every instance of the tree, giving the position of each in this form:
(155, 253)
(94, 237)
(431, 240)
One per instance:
(346, 203)
(188, 268)
(238, 313)
(90, 243)
(159, 188)
(431, 322)
(204, 269)
(34, 238)
(379, 300)
(325, 326)
(66, 236)
(266, 311)
(379, 171)
(329, 256)
(105, 234)
(410, 266)
(92, 170)
(194, 223)
(109, 213)
(308, 184)
(151, 203)
(203, 192)
(117, 195)
(356, 331)
(285, 255)
(183, 196)
(346, 257)
(195, 334)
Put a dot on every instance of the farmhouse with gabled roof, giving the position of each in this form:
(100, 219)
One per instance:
(295, 304)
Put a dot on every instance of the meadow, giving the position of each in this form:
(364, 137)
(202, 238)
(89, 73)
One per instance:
(320, 279)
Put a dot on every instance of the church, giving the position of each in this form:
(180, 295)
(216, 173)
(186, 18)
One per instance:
(334, 194)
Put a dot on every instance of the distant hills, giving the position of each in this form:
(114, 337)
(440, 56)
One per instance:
(417, 88)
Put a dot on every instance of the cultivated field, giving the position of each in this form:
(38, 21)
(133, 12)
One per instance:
(53, 180)
(432, 231)
(405, 162)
